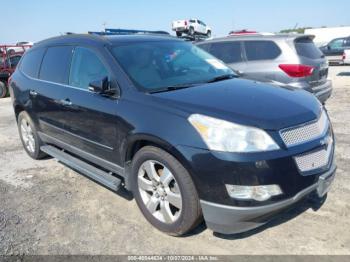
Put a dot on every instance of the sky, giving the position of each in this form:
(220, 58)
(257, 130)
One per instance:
(34, 20)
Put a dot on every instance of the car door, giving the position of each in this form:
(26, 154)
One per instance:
(49, 91)
(201, 27)
(196, 26)
(90, 122)
(334, 50)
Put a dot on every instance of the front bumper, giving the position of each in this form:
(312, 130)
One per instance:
(231, 219)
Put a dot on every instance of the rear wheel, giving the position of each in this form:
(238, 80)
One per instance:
(29, 136)
(3, 89)
(178, 34)
(164, 191)
(191, 31)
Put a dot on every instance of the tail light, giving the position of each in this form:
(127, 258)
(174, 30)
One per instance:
(344, 56)
(186, 23)
(295, 70)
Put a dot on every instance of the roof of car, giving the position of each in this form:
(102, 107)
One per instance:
(103, 39)
(257, 37)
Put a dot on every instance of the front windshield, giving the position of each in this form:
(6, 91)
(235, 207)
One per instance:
(157, 65)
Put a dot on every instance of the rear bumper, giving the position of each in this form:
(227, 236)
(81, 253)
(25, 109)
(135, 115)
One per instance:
(324, 91)
(231, 219)
(335, 60)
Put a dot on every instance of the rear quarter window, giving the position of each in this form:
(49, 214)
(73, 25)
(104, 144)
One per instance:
(307, 48)
(30, 64)
(228, 52)
(56, 63)
(261, 50)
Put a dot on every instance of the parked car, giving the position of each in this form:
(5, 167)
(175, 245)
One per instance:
(191, 27)
(8, 63)
(335, 49)
(172, 124)
(291, 61)
(346, 57)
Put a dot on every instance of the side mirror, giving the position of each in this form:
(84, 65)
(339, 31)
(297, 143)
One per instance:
(99, 86)
(105, 87)
(328, 47)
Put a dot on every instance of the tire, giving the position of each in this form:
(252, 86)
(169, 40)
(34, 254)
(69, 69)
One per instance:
(29, 136)
(3, 89)
(208, 34)
(178, 189)
(191, 31)
(178, 34)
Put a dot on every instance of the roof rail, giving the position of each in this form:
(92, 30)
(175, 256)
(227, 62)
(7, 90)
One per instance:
(193, 38)
(110, 31)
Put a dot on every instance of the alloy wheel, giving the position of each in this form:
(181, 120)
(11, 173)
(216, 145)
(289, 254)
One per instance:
(27, 136)
(159, 191)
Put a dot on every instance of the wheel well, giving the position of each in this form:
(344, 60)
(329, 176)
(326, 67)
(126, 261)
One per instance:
(18, 109)
(137, 145)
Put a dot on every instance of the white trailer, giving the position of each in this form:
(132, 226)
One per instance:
(324, 35)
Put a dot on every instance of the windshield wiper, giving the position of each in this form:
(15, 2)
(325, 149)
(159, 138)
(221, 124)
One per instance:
(221, 78)
(172, 88)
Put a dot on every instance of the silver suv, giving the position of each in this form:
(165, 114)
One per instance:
(283, 60)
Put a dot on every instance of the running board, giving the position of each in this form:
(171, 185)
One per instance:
(91, 171)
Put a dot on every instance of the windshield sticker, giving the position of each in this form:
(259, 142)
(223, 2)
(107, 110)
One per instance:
(216, 63)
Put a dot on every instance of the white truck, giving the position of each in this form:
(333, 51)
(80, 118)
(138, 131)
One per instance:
(191, 27)
(346, 57)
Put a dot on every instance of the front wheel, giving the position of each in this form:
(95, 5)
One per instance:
(164, 191)
(3, 89)
(209, 34)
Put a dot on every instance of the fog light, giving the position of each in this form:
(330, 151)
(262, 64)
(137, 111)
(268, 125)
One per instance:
(258, 193)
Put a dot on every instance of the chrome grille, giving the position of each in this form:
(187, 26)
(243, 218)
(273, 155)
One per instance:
(306, 132)
(315, 160)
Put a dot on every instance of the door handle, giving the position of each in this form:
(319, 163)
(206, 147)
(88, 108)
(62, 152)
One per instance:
(65, 102)
(33, 93)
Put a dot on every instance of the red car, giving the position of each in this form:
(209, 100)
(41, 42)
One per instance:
(9, 58)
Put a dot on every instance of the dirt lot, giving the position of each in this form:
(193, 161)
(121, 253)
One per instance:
(46, 208)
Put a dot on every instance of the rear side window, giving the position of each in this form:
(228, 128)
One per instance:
(305, 47)
(86, 67)
(31, 61)
(261, 50)
(55, 65)
(228, 52)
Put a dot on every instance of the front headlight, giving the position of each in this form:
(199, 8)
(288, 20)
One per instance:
(221, 135)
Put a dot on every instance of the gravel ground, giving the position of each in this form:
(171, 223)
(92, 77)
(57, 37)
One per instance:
(46, 208)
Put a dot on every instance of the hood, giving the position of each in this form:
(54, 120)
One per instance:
(246, 102)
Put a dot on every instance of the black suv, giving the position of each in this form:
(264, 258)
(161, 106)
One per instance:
(169, 122)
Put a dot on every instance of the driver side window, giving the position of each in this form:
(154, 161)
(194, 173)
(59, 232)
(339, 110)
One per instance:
(85, 68)
(336, 44)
